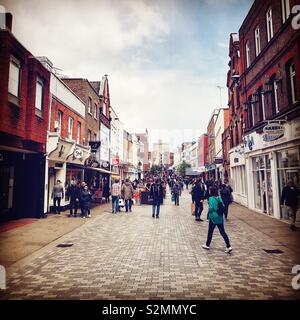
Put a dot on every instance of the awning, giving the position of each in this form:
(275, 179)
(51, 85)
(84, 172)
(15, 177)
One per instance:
(115, 176)
(99, 170)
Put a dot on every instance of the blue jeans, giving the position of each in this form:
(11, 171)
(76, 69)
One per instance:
(155, 205)
(115, 204)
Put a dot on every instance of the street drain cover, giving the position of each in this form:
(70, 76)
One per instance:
(276, 251)
(64, 245)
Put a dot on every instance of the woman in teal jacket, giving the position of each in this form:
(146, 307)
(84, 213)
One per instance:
(215, 220)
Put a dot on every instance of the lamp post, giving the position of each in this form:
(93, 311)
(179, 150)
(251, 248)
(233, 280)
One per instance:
(220, 88)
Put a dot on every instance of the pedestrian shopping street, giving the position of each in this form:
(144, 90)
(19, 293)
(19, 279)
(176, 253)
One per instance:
(133, 256)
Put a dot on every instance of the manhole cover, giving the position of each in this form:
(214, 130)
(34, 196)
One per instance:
(64, 245)
(277, 251)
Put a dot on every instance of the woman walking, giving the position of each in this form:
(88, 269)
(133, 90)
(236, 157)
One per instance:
(215, 214)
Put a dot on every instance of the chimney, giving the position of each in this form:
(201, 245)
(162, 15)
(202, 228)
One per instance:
(5, 19)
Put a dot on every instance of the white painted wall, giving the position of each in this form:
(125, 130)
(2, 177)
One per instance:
(66, 95)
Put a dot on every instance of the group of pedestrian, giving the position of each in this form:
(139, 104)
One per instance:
(79, 195)
(124, 192)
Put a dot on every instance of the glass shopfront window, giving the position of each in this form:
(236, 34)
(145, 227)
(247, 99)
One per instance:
(263, 184)
(288, 162)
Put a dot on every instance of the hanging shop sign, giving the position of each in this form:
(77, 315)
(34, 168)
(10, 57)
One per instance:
(95, 145)
(116, 161)
(105, 164)
(78, 153)
(273, 131)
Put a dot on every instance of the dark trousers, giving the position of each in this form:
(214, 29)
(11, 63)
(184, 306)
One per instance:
(155, 208)
(226, 205)
(73, 205)
(198, 210)
(85, 211)
(176, 199)
(211, 229)
(56, 204)
(128, 204)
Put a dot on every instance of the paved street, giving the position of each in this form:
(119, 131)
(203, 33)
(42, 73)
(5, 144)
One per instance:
(133, 256)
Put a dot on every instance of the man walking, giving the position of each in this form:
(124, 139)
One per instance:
(198, 196)
(176, 193)
(127, 191)
(157, 195)
(115, 195)
(73, 193)
(289, 197)
(57, 195)
(225, 194)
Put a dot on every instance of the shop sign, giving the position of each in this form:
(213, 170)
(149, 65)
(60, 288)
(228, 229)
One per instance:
(92, 162)
(95, 145)
(249, 142)
(105, 164)
(273, 131)
(116, 161)
(78, 153)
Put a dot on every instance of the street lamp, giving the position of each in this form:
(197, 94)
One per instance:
(220, 88)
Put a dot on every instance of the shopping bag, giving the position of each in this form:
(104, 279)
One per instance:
(121, 203)
(193, 208)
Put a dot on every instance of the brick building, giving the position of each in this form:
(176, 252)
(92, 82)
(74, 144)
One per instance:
(202, 152)
(269, 50)
(65, 151)
(232, 138)
(211, 150)
(24, 103)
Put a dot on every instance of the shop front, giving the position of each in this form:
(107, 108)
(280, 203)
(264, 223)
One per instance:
(21, 183)
(238, 179)
(272, 159)
(65, 162)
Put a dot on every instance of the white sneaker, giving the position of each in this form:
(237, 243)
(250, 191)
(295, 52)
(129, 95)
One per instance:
(83, 217)
(228, 250)
(89, 216)
(204, 246)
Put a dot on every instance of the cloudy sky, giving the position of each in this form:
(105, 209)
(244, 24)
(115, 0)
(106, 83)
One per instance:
(164, 58)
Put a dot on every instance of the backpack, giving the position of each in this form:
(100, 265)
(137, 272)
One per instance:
(221, 208)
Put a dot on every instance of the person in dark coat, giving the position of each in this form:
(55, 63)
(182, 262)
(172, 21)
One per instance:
(198, 196)
(225, 194)
(176, 193)
(157, 195)
(73, 193)
(85, 198)
(106, 191)
(289, 197)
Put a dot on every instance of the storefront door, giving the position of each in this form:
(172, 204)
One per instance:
(6, 188)
(263, 184)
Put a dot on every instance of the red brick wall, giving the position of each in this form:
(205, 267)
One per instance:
(273, 58)
(202, 150)
(67, 112)
(18, 119)
(83, 90)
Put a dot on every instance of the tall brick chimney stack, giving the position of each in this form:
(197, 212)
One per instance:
(5, 19)
(8, 21)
